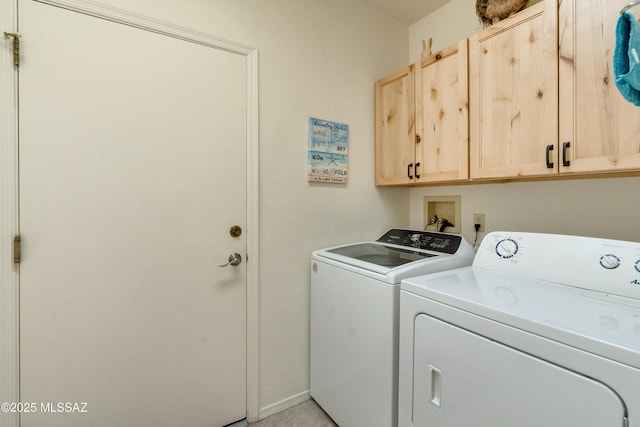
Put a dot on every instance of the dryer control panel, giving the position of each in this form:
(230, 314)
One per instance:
(610, 266)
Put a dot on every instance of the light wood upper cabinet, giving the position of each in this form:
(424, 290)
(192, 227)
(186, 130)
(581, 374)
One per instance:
(395, 132)
(541, 102)
(602, 128)
(513, 92)
(442, 116)
(422, 121)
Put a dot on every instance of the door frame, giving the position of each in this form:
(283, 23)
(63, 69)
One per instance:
(9, 226)
(9, 190)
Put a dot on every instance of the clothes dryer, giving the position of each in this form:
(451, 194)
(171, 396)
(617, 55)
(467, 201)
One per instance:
(542, 330)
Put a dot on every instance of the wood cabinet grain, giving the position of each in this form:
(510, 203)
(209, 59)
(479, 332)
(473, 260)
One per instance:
(600, 130)
(395, 131)
(533, 96)
(513, 92)
(422, 121)
(442, 115)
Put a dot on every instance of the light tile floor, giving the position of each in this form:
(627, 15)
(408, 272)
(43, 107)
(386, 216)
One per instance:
(305, 414)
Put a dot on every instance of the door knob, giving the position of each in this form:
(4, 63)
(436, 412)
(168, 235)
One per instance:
(234, 259)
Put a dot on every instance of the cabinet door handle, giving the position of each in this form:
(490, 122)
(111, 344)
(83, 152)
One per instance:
(409, 171)
(417, 174)
(565, 162)
(549, 162)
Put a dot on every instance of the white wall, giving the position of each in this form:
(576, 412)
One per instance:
(605, 207)
(452, 22)
(317, 58)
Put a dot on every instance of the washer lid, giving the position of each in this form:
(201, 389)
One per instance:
(381, 255)
(385, 262)
(600, 323)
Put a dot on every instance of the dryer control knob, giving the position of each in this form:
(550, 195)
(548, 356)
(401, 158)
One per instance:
(507, 248)
(609, 261)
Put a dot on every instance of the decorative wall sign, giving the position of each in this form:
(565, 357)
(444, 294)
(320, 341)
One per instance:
(328, 151)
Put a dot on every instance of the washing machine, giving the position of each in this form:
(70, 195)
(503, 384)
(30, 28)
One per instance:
(355, 290)
(541, 330)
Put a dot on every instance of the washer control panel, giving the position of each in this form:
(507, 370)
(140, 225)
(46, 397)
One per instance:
(427, 240)
(610, 266)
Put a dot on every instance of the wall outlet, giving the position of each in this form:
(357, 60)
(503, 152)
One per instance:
(478, 219)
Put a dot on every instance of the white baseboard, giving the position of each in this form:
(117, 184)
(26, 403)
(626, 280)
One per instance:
(287, 403)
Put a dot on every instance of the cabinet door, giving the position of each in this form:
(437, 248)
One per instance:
(514, 95)
(395, 133)
(442, 116)
(602, 128)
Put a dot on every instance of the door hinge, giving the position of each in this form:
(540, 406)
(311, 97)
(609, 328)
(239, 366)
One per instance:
(17, 257)
(16, 47)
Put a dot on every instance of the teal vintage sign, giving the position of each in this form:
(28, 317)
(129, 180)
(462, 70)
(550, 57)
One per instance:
(328, 151)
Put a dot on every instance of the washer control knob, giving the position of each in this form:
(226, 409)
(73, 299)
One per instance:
(507, 248)
(638, 266)
(610, 261)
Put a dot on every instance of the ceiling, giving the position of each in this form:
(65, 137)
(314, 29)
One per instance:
(407, 11)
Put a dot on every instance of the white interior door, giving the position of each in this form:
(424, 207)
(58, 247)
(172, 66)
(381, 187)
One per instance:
(132, 171)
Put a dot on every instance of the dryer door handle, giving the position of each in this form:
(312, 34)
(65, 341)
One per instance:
(435, 376)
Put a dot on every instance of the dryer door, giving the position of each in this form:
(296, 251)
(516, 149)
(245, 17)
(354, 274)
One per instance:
(464, 379)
